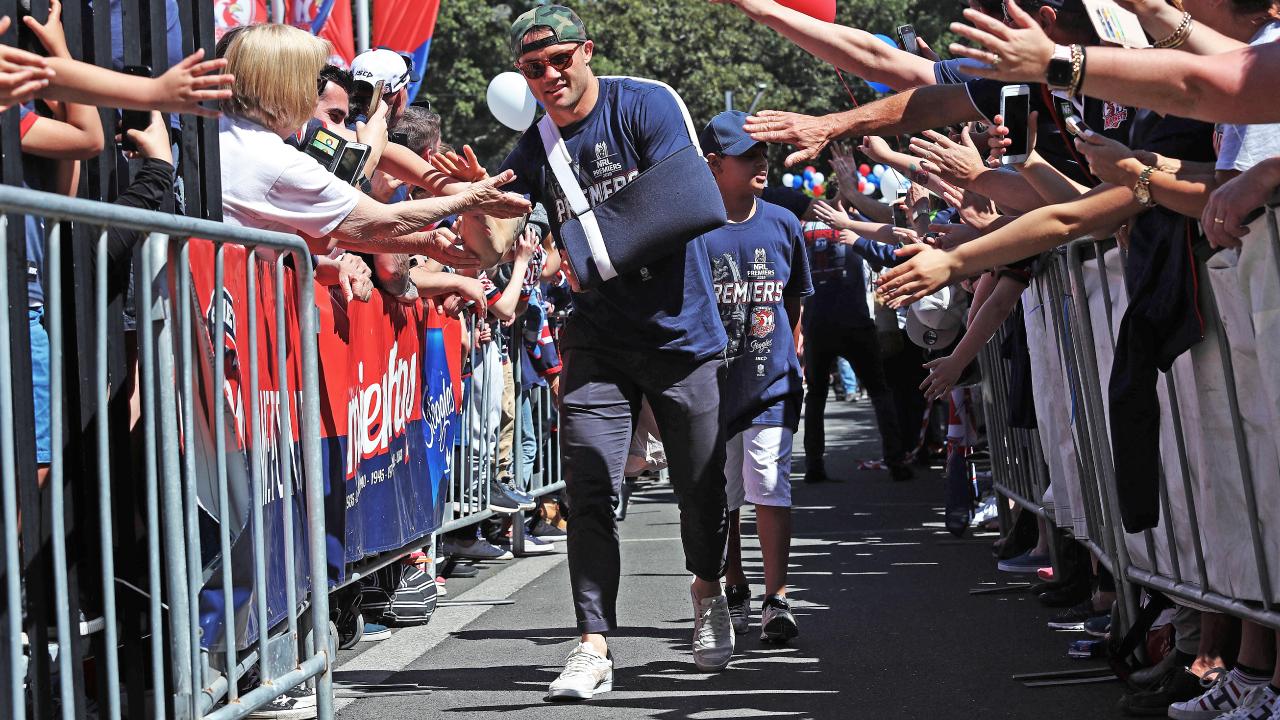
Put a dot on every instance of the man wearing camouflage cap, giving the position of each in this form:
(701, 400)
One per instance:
(650, 334)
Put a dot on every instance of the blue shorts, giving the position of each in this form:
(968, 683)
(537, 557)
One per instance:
(40, 385)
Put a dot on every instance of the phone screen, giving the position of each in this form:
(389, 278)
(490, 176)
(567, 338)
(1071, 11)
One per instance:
(910, 42)
(362, 98)
(325, 147)
(350, 162)
(1016, 110)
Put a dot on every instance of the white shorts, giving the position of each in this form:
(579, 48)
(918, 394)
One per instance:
(757, 467)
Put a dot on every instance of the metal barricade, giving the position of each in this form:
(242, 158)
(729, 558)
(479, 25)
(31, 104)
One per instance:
(186, 681)
(470, 471)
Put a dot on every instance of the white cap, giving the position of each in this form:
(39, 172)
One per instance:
(383, 65)
(936, 320)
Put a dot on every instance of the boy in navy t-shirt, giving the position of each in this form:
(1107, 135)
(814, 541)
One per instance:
(761, 273)
(649, 334)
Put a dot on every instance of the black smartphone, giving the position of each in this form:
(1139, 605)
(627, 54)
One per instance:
(351, 162)
(910, 41)
(134, 119)
(900, 209)
(325, 147)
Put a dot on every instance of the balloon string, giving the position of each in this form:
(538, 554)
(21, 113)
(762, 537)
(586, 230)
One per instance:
(846, 86)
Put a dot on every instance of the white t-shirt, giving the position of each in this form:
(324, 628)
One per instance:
(269, 185)
(1244, 146)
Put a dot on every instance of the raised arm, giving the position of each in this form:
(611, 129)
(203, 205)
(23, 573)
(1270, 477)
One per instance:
(906, 112)
(181, 89)
(848, 48)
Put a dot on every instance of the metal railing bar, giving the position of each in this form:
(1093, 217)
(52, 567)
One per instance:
(106, 540)
(145, 300)
(61, 594)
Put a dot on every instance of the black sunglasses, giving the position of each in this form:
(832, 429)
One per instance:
(534, 69)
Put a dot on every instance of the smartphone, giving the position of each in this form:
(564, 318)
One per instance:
(363, 95)
(134, 119)
(1015, 106)
(1075, 125)
(900, 209)
(910, 41)
(325, 147)
(351, 162)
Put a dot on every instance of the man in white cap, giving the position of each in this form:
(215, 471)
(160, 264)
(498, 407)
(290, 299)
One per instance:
(393, 70)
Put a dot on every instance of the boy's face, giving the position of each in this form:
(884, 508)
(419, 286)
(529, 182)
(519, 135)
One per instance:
(750, 169)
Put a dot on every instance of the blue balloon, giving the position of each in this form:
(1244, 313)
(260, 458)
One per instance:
(808, 174)
(874, 180)
(797, 182)
(881, 87)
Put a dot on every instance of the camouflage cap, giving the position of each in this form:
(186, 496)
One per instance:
(564, 24)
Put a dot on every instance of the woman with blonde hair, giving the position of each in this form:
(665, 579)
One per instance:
(269, 185)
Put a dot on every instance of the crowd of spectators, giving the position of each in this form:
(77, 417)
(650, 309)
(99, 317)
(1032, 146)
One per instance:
(906, 291)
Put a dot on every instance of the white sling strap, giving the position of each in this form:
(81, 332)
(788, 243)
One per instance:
(558, 157)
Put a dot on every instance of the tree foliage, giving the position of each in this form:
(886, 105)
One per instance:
(700, 49)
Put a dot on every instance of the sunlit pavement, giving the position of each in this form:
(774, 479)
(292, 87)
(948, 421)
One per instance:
(888, 628)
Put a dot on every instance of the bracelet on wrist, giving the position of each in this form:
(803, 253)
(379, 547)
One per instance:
(1178, 36)
(1077, 69)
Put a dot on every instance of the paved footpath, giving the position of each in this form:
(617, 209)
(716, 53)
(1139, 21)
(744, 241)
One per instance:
(888, 628)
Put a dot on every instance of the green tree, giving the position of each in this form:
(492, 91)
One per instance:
(699, 48)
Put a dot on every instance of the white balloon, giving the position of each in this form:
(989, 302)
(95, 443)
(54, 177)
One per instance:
(878, 170)
(889, 186)
(787, 179)
(510, 101)
(818, 178)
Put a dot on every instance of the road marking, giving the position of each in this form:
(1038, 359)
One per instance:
(390, 656)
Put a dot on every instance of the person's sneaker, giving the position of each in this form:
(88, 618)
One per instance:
(777, 624)
(1226, 691)
(1176, 687)
(502, 503)
(739, 607)
(1045, 574)
(712, 633)
(481, 549)
(526, 501)
(586, 674)
(296, 704)
(1260, 704)
(534, 545)
(373, 632)
(1098, 626)
(818, 475)
(1028, 563)
(454, 569)
(1074, 618)
(546, 530)
(1149, 678)
(441, 590)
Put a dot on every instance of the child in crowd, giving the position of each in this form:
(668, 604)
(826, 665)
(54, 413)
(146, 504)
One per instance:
(761, 273)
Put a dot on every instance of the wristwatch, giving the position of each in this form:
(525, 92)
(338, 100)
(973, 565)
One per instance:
(1060, 70)
(1142, 190)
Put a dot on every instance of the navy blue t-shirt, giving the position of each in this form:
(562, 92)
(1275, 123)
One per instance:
(37, 174)
(755, 265)
(667, 306)
(839, 299)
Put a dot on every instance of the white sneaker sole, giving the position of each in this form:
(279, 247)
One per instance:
(571, 694)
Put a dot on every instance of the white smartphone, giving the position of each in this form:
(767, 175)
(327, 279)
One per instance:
(1015, 107)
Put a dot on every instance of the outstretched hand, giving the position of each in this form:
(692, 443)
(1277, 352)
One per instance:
(22, 74)
(807, 133)
(926, 271)
(1019, 52)
(192, 82)
(487, 198)
(465, 167)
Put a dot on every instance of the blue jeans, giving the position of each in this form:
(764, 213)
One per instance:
(40, 385)
(528, 438)
(846, 375)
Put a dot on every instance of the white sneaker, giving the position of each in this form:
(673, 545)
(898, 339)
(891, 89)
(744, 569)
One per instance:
(1227, 693)
(712, 633)
(296, 704)
(1259, 704)
(586, 673)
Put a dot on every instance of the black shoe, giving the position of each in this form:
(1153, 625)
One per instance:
(818, 474)
(526, 501)
(500, 502)
(1178, 686)
(777, 624)
(1149, 678)
(1067, 595)
(1075, 617)
(455, 570)
(901, 472)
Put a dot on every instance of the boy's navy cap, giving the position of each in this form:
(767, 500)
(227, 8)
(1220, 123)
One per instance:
(724, 134)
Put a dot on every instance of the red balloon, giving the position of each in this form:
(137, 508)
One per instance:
(824, 10)
(820, 191)
(864, 169)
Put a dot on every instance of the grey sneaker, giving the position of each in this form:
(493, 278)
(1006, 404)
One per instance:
(296, 704)
(712, 633)
(777, 624)
(478, 550)
(586, 674)
(739, 607)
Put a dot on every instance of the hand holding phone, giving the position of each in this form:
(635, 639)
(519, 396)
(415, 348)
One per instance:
(133, 119)
(363, 97)
(1015, 109)
(910, 41)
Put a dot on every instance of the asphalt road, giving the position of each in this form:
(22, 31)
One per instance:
(888, 628)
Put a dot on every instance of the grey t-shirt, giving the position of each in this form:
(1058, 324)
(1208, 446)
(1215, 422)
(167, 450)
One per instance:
(1244, 146)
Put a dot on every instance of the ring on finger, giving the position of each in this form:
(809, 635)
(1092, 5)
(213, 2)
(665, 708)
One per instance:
(996, 60)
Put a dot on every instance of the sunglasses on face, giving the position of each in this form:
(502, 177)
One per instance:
(534, 69)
